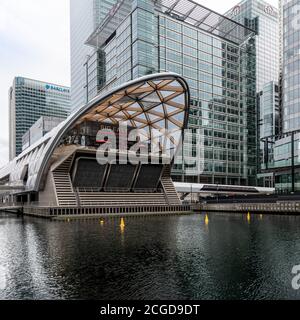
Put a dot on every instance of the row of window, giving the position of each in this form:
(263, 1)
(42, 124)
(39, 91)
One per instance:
(195, 34)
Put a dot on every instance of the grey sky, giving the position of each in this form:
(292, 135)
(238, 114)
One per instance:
(34, 43)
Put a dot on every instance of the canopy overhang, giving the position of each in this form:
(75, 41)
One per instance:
(152, 104)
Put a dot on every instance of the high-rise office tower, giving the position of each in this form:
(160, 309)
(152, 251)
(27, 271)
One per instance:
(286, 161)
(264, 19)
(85, 16)
(215, 55)
(269, 120)
(290, 65)
(28, 101)
(268, 102)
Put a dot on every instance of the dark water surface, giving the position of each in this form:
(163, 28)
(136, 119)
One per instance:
(176, 257)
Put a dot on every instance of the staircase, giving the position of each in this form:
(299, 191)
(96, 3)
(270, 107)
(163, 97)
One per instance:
(110, 198)
(168, 186)
(64, 190)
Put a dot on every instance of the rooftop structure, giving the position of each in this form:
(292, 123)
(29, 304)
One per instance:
(65, 170)
(187, 11)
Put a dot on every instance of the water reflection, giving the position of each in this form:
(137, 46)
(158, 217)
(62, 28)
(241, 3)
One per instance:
(206, 220)
(156, 257)
(248, 217)
(122, 225)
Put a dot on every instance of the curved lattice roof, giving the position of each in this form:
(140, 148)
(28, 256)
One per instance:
(153, 104)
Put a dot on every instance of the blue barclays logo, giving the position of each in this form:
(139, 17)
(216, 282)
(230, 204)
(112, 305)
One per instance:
(56, 88)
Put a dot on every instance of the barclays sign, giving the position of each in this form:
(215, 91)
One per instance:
(56, 88)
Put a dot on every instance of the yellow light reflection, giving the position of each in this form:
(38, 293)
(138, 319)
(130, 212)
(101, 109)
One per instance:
(122, 225)
(248, 217)
(206, 220)
(101, 222)
(260, 216)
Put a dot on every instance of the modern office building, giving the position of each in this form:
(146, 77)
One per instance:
(28, 101)
(286, 163)
(41, 127)
(290, 66)
(264, 19)
(85, 15)
(214, 54)
(268, 125)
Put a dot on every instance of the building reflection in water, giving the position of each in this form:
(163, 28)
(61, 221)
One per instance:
(167, 257)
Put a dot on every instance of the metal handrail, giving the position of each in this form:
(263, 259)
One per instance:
(122, 190)
(92, 203)
(9, 204)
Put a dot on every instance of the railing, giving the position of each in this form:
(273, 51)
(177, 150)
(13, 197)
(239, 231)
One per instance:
(276, 207)
(121, 190)
(10, 204)
(44, 204)
(101, 203)
(120, 203)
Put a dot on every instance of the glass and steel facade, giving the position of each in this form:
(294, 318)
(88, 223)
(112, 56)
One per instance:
(285, 165)
(85, 16)
(40, 128)
(268, 125)
(28, 101)
(264, 19)
(268, 101)
(291, 66)
(219, 67)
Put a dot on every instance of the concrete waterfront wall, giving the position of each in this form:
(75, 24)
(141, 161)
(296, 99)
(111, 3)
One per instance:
(278, 207)
(67, 212)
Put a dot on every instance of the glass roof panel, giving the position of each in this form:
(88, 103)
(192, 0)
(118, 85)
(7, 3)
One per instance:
(179, 99)
(120, 115)
(160, 124)
(174, 84)
(171, 109)
(148, 104)
(124, 99)
(152, 97)
(141, 92)
(135, 105)
(171, 125)
(131, 112)
(179, 117)
(153, 117)
(159, 109)
(166, 94)
(140, 116)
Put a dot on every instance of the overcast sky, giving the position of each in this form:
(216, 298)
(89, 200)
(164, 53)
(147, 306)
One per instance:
(34, 43)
